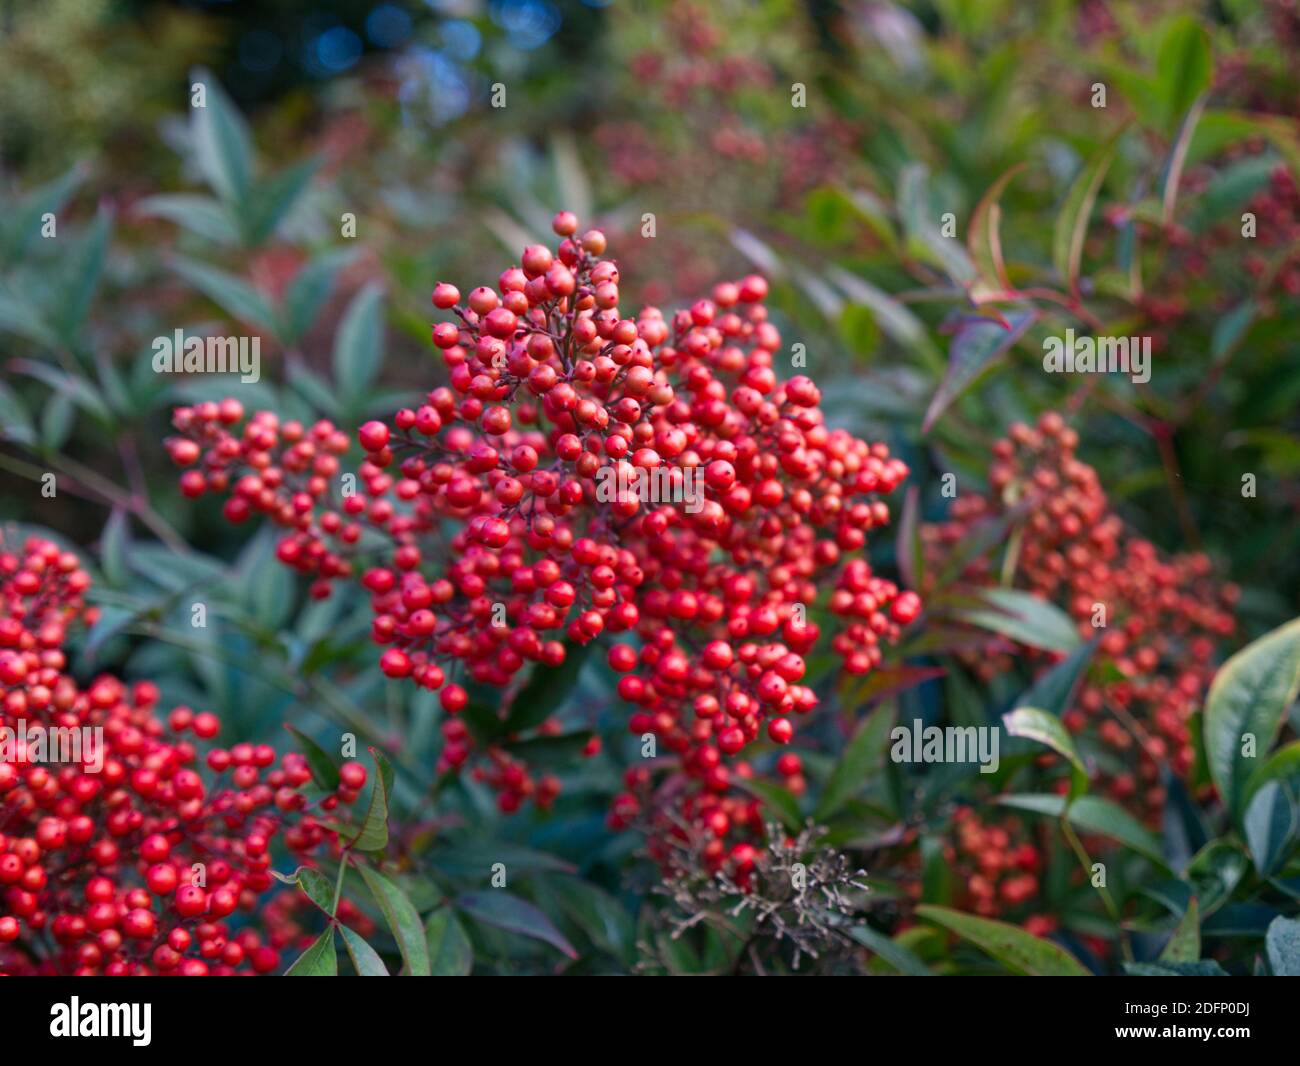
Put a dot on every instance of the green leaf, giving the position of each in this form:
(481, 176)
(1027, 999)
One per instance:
(899, 957)
(234, 295)
(365, 959)
(15, 422)
(1021, 952)
(983, 237)
(84, 280)
(202, 215)
(308, 291)
(1231, 328)
(402, 920)
(1199, 968)
(551, 751)
(1036, 724)
(1282, 942)
(1269, 824)
(777, 799)
(115, 549)
(863, 753)
(978, 344)
(221, 142)
(270, 202)
(450, 952)
(925, 240)
(1214, 872)
(547, 689)
(373, 835)
(1054, 691)
(596, 912)
(18, 315)
(1249, 696)
(505, 911)
(1092, 814)
(1184, 67)
(899, 323)
(1024, 618)
(359, 343)
(73, 387)
(1072, 223)
(1185, 944)
(56, 422)
(319, 960)
(26, 219)
(315, 886)
(323, 769)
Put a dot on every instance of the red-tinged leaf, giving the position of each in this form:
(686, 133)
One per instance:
(983, 238)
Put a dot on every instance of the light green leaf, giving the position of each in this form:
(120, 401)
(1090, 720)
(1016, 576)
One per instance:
(271, 201)
(1185, 944)
(1072, 223)
(365, 959)
(373, 835)
(15, 422)
(234, 295)
(314, 884)
(1033, 723)
(1249, 697)
(359, 343)
(402, 920)
(319, 960)
(308, 291)
(1092, 814)
(221, 142)
(1024, 618)
(1283, 945)
(1019, 951)
(1184, 67)
(202, 215)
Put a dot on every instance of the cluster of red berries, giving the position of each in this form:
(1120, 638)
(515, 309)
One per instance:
(584, 473)
(1156, 619)
(117, 854)
(997, 867)
(1277, 211)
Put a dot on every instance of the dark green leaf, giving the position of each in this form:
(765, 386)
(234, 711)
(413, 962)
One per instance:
(499, 908)
(863, 753)
(450, 952)
(1269, 824)
(547, 689)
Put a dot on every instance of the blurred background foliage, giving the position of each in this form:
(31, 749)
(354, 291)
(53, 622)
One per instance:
(666, 117)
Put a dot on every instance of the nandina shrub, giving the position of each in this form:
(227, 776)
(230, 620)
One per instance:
(587, 473)
(1155, 621)
(138, 853)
